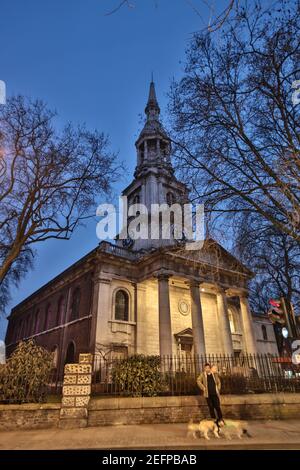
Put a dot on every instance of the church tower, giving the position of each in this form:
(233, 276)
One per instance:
(154, 180)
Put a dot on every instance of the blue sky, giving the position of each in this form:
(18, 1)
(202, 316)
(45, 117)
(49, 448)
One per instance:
(95, 69)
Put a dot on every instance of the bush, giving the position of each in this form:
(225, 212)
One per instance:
(233, 384)
(183, 383)
(138, 376)
(26, 373)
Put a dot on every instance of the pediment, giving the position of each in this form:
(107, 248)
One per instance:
(186, 334)
(214, 255)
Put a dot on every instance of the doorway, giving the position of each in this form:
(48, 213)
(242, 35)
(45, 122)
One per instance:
(70, 356)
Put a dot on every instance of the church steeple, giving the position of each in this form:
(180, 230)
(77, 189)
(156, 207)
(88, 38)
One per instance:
(154, 180)
(152, 109)
(153, 145)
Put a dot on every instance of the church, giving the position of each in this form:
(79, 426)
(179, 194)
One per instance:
(147, 296)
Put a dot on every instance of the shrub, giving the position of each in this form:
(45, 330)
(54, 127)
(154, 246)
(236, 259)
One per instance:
(235, 384)
(26, 373)
(183, 383)
(138, 375)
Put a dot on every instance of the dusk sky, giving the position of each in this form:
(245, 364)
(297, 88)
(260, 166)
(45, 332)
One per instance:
(93, 69)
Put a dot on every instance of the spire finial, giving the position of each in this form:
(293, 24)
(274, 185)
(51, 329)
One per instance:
(152, 79)
(152, 109)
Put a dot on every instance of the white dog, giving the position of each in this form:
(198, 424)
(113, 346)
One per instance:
(231, 427)
(204, 427)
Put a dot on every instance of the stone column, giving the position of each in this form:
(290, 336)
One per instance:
(142, 193)
(197, 318)
(223, 321)
(103, 309)
(165, 329)
(94, 311)
(248, 333)
(158, 147)
(141, 347)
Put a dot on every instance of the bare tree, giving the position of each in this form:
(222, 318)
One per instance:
(235, 124)
(275, 259)
(49, 182)
(215, 21)
(119, 5)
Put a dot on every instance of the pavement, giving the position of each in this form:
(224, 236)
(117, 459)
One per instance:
(265, 435)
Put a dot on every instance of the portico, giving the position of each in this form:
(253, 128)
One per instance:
(169, 293)
(214, 322)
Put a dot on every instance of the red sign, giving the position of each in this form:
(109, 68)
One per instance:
(275, 303)
(285, 360)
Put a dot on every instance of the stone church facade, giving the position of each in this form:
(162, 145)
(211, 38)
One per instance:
(145, 296)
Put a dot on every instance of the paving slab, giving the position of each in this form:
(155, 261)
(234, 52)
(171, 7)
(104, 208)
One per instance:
(265, 435)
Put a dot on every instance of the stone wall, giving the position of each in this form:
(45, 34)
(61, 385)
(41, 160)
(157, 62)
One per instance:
(268, 346)
(113, 411)
(29, 416)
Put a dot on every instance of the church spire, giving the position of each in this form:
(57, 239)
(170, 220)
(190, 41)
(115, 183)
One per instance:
(154, 180)
(152, 109)
(153, 144)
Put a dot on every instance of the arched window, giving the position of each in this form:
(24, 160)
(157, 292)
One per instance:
(170, 199)
(136, 199)
(264, 332)
(232, 322)
(75, 304)
(70, 356)
(60, 311)
(122, 306)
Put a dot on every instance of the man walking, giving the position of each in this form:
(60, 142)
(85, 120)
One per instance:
(209, 382)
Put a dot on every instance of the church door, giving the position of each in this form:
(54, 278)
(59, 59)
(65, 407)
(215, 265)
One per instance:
(187, 356)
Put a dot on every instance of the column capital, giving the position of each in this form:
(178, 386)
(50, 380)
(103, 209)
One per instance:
(237, 292)
(244, 295)
(98, 279)
(193, 282)
(218, 289)
(163, 275)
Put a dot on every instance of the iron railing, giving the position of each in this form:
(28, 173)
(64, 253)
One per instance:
(258, 373)
(55, 383)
